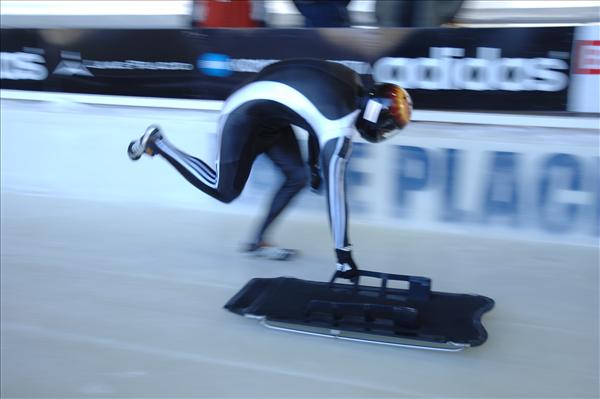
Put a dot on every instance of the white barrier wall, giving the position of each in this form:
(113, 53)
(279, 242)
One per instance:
(513, 180)
(584, 89)
(526, 182)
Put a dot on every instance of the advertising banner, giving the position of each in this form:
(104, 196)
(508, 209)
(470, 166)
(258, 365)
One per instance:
(495, 69)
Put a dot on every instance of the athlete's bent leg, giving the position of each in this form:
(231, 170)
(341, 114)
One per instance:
(224, 184)
(285, 154)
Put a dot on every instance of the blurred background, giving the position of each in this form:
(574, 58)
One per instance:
(286, 13)
(114, 273)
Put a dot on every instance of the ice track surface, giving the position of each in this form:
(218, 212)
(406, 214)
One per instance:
(101, 299)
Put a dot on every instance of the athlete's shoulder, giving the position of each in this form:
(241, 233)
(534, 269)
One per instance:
(301, 63)
(290, 69)
(332, 87)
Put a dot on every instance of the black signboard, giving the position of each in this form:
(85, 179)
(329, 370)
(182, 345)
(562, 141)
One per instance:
(496, 69)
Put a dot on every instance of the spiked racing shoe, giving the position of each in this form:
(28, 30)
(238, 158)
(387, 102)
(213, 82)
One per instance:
(271, 252)
(143, 145)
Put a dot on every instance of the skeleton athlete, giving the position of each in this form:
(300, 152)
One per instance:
(326, 99)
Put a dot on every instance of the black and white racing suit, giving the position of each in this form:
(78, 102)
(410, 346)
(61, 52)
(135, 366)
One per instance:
(318, 96)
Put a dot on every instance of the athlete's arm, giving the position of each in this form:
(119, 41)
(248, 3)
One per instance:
(335, 155)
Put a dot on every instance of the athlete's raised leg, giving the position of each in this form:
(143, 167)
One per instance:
(225, 181)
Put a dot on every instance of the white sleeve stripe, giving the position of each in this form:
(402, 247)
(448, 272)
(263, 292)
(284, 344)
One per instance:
(337, 204)
(341, 202)
(325, 128)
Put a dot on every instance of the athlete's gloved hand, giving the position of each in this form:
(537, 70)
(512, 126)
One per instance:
(345, 264)
(315, 179)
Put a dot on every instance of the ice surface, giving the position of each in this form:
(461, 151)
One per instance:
(107, 299)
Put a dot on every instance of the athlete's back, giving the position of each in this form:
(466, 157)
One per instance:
(333, 88)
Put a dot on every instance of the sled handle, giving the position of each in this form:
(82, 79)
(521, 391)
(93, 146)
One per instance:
(419, 288)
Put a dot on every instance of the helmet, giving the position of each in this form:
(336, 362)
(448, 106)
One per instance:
(387, 109)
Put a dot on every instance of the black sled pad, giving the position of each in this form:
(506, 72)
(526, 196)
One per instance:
(414, 317)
